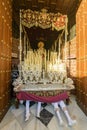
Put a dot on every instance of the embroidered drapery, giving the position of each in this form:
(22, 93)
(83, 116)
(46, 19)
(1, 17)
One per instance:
(43, 19)
(28, 96)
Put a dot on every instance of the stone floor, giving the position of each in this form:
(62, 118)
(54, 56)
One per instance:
(14, 119)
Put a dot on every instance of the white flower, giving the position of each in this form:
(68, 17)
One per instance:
(68, 81)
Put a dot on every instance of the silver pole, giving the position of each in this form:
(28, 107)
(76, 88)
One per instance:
(65, 40)
(20, 47)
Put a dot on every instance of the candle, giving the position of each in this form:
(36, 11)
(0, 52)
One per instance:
(48, 55)
(45, 59)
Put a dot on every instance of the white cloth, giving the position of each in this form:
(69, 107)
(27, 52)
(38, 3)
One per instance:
(27, 110)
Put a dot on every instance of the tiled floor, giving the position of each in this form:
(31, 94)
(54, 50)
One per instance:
(14, 119)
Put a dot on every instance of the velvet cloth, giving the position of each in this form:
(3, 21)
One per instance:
(28, 96)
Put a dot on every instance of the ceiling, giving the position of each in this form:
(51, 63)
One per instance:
(68, 7)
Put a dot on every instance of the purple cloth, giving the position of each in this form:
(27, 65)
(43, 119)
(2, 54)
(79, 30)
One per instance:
(28, 96)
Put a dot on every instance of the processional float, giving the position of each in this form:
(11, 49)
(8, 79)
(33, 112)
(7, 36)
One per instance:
(42, 73)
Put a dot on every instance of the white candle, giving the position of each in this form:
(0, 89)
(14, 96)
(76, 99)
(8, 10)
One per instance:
(45, 59)
(48, 55)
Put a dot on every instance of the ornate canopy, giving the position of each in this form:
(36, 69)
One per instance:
(43, 19)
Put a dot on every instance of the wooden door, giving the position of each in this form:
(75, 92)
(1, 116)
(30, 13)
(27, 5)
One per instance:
(5, 55)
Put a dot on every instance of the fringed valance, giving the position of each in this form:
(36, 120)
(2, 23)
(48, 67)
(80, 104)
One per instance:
(43, 19)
